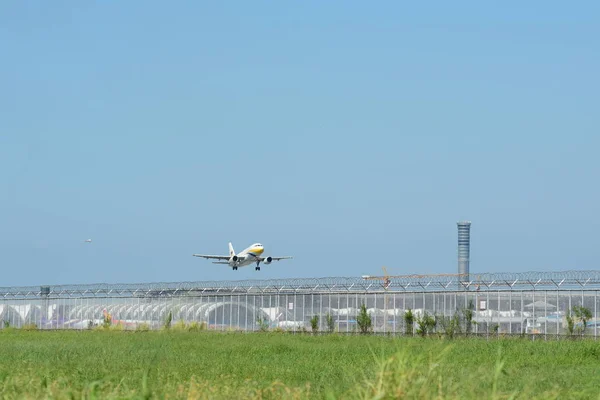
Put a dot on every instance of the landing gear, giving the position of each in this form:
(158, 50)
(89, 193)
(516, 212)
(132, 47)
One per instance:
(235, 268)
(257, 268)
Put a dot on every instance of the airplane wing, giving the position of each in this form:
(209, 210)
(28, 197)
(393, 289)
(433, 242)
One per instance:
(274, 258)
(210, 257)
(221, 262)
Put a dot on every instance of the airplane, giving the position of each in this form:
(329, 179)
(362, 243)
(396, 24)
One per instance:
(246, 257)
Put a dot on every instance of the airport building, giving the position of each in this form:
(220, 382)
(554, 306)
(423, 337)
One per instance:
(501, 303)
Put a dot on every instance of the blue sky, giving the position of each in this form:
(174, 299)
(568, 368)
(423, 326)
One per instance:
(349, 135)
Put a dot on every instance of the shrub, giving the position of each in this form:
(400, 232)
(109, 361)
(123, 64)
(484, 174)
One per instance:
(314, 323)
(117, 327)
(30, 327)
(168, 320)
(468, 315)
(409, 320)
(450, 325)
(330, 323)
(582, 314)
(263, 325)
(364, 320)
(495, 328)
(425, 323)
(197, 327)
(143, 327)
(180, 325)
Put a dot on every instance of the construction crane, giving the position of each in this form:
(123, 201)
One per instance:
(386, 296)
(386, 278)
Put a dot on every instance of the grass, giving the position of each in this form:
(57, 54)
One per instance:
(208, 365)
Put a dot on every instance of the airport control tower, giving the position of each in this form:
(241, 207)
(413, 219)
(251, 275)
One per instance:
(464, 243)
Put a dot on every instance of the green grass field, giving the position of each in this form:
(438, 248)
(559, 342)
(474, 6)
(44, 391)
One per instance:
(205, 365)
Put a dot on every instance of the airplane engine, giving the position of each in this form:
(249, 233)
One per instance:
(234, 258)
(268, 260)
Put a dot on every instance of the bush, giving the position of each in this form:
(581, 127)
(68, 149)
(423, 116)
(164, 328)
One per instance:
(117, 327)
(314, 323)
(263, 325)
(425, 323)
(330, 323)
(168, 320)
(180, 325)
(468, 315)
(197, 327)
(364, 320)
(450, 325)
(583, 314)
(495, 328)
(409, 321)
(30, 327)
(143, 327)
(570, 324)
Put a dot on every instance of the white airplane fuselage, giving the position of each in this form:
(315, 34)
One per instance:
(247, 256)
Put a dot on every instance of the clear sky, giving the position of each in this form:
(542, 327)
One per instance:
(350, 135)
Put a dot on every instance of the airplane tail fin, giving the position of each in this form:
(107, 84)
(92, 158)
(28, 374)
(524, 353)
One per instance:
(231, 251)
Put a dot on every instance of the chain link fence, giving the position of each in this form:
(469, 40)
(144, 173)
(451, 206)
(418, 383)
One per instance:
(491, 304)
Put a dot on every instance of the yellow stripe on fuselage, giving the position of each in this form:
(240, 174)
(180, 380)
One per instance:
(257, 251)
